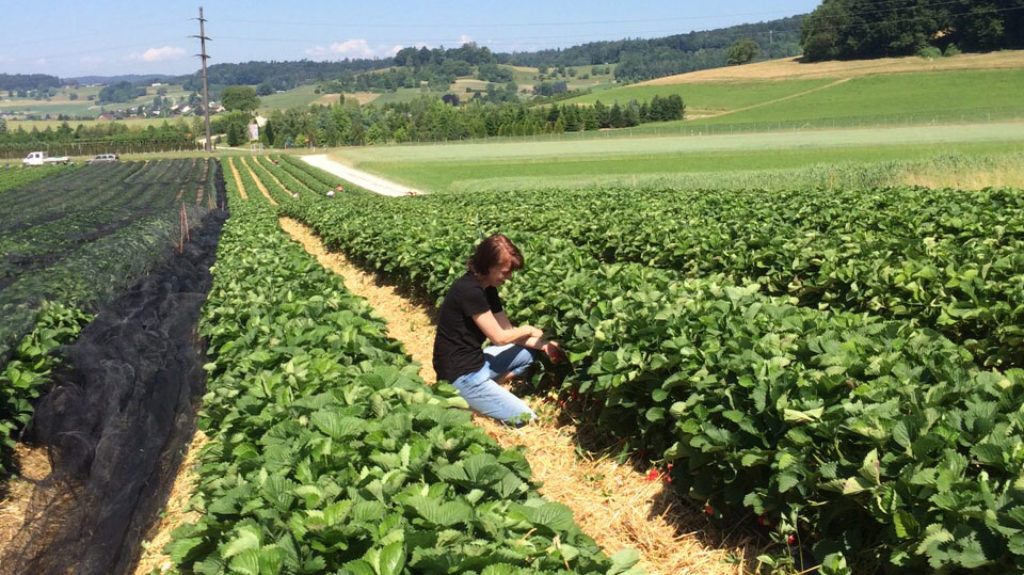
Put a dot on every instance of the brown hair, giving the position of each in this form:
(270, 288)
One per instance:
(488, 254)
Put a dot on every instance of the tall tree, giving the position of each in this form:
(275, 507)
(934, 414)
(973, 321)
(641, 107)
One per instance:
(240, 98)
(743, 51)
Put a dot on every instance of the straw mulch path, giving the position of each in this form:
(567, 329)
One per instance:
(176, 512)
(16, 494)
(615, 504)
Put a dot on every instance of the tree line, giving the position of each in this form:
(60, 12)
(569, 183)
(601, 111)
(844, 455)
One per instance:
(96, 138)
(29, 82)
(864, 29)
(431, 120)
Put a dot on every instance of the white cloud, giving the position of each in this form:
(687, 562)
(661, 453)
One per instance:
(466, 39)
(162, 54)
(355, 48)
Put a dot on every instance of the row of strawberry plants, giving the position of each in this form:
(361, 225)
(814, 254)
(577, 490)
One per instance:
(314, 178)
(952, 260)
(71, 257)
(48, 199)
(875, 439)
(275, 187)
(32, 362)
(290, 183)
(329, 454)
(14, 177)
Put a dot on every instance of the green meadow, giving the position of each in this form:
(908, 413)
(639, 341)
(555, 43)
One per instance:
(879, 156)
(952, 96)
(708, 98)
(299, 97)
(879, 100)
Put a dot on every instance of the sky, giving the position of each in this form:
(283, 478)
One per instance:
(110, 37)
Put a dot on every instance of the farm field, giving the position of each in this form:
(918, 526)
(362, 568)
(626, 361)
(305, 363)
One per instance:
(825, 366)
(627, 317)
(96, 287)
(784, 93)
(83, 105)
(815, 158)
(815, 425)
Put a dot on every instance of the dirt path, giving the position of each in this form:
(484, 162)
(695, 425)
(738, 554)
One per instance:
(360, 178)
(238, 179)
(617, 505)
(176, 511)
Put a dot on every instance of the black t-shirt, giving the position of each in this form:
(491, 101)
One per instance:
(458, 342)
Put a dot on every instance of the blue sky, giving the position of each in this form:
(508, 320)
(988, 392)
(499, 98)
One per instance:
(108, 37)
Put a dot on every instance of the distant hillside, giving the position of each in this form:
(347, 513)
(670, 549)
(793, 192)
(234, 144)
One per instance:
(795, 69)
(24, 82)
(111, 80)
(645, 59)
(635, 59)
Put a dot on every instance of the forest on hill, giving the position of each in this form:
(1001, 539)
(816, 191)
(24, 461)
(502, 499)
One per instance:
(865, 29)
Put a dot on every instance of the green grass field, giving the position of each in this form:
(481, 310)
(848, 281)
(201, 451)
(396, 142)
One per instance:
(707, 98)
(890, 99)
(618, 159)
(895, 99)
(296, 98)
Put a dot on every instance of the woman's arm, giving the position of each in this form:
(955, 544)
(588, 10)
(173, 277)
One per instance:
(500, 331)
(497, 328)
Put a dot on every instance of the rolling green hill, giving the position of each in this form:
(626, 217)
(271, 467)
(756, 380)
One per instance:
(909, 91)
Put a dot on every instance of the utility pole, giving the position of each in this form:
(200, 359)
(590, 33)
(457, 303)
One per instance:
(206, 90)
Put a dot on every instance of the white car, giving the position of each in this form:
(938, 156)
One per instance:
(44, 159)
(103, 158)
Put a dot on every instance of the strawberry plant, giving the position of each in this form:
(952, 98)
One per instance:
(27, 371)
(861, 437)
(329, 454)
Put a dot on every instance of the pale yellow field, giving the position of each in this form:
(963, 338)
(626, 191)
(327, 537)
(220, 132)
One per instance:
(360, 97)
(792, 68)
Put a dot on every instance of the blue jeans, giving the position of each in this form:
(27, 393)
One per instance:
(485, 396)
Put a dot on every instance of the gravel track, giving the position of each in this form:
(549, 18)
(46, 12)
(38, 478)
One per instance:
(360, 178)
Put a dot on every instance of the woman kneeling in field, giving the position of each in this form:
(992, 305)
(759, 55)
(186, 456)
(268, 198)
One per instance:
(472, 313)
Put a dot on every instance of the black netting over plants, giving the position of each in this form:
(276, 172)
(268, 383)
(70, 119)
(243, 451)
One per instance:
(118, 420)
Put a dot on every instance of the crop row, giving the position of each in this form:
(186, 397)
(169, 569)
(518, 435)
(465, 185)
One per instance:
(951, 260)
(79, 237)
(14, 177)
(71, 242)
(32, 361)
(329, 454)
(852, 435)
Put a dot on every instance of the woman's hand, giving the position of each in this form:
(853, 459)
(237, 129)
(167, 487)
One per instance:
(553, 351)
